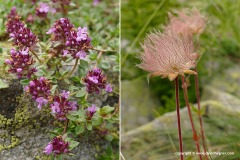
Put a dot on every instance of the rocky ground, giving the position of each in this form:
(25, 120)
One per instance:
(158, 139)
(26, 139)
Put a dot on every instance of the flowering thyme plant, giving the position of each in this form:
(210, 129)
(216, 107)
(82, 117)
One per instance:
(43, 69)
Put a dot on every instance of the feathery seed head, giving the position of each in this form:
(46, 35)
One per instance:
(168, 55)
(187, 22)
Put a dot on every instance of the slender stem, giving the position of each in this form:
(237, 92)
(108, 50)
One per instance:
(36, 56)
(66, 126)
(178, 117)
(64, 10)
(98, 58)
(75, 65)
(195, 136)
(70, 73)
(199, 112)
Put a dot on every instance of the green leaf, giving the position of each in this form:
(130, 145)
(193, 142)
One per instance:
(81, 116)
(79, 129)
(63, 72)
(71, 117)
(24, 82)
(75, 79)
(105, 65)
(83, 64)
(73, 144)
(97, 120)
(89, 126)
(54, 87)
(3, 84)
(67, 81)
(73, 113)
(109, 137)
(106, 110)
(116, 68)
(109, 126)
(81, 93)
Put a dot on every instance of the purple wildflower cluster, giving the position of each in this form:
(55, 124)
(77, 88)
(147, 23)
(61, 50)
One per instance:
(96, 80)
(74, 42)
(21, 63)
(90, 111)
(61, 106)
(22, 36)
(57, 146)
(39, 90)
(42, 10)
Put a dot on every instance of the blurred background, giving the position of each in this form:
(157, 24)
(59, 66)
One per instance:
(149, 130)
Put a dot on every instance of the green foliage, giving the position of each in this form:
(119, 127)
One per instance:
(103, 118)
(108, 155)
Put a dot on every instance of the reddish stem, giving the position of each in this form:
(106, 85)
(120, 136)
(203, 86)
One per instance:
(199, 112)
(195, 136)
(66, 126)
(178, 117)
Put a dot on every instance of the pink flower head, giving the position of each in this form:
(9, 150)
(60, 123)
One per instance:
(81, 55)
(39, 88)
(95, 80)
(21, 63)
(57, 146)
(48, 149)
(65, 52)
(41, 101)
(186, 22)
(82, 34)
(91, 111)
(168, 55)
(42, 10)
(65, 94)
(61, 105)
(108, 88)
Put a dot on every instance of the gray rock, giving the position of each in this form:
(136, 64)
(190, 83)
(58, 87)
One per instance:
(158, 140)
(137, 104)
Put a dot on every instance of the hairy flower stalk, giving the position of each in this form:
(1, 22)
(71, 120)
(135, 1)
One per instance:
(178, 117)
(195, 135)
(169, 55)
(190, 23)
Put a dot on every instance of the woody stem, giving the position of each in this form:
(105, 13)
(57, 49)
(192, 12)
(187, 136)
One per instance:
(178, 117)
(195, 136)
